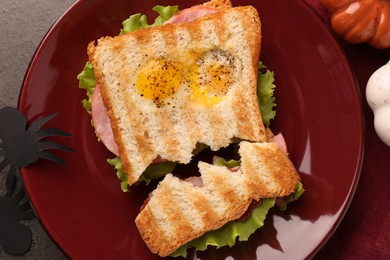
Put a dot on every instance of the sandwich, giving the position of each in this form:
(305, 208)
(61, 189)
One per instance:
(170, 87)
(161, 94)
(178, 211)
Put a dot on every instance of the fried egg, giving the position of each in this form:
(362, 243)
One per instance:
(203, 78)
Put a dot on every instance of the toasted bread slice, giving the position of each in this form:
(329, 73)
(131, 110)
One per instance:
(169, 87)
(179, 211)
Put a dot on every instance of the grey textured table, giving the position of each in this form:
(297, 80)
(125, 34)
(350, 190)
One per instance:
(23, 24)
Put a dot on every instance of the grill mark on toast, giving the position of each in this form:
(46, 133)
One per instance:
(202, 204)
(145, 218)
(138, 141)
(170, 206)
(224, 192)
(143, 39)
(170, 136)
(191, 124)
(169, 36)
(205, 129)
(244, 127)
(260, 179)
(181, 194)
(254, 182)
(196, 31)
(158, 43)
(212, 33)
(183, 38)
(184, 133)
(274, 174)
(283, 171)
(216, 119)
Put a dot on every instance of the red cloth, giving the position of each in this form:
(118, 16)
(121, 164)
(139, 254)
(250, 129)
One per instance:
(364, 233)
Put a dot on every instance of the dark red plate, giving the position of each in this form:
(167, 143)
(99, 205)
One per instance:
(319, 112)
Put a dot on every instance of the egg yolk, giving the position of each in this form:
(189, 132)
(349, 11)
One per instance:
(159, 79)
(210, 83)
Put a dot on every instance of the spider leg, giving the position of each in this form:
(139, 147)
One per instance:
(52, 157)
(51, 132)
(3, 164)
(3, 153)
(28, 215)
(10, 182)
(19, 196)
(28, 212)
(24, 210)
(25, 206)
(36, 125)
(52, 145)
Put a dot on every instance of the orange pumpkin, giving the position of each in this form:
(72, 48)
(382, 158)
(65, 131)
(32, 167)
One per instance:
(361, 21)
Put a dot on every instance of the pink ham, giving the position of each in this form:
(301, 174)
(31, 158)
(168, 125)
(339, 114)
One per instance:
(279, 139)
(101, 122)
(195, 180)
(191, 14)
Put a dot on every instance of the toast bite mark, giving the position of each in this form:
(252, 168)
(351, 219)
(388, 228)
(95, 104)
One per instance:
(179, 85)
(225, 196)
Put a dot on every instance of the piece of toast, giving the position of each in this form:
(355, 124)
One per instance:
(204, 76)
(179, 211)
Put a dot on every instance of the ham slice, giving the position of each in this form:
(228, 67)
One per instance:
(191, 14)
(279, 139)
(102, 123)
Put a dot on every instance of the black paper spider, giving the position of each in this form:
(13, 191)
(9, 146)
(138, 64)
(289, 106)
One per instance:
(19, 147)
(15, 238)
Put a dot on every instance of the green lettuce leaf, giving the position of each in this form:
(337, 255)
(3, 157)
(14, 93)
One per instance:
(152, 172)
(235, 231)
(299, 190)
(265, 94)
(120, 173)
(222, 162)
(87, 81)
(139, 21)
(157, 171)
(228, 234)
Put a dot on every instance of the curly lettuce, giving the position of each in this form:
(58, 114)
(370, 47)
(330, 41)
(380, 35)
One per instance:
(231, 232)
(139, 21)
(87, 81)
(152, 172)
(265, 93)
